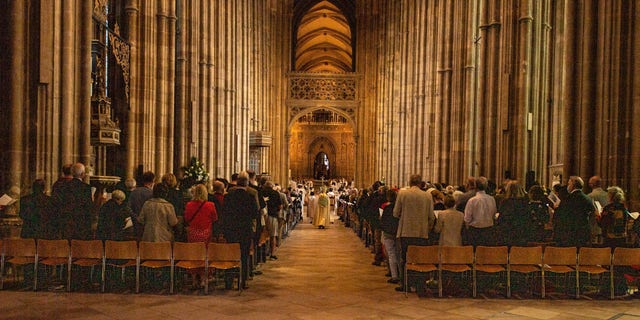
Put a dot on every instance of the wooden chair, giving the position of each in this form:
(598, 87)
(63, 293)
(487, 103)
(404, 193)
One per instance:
(122, 255)
(52, 253)
(525, 260)
(593, 261)
(454, 259)
(86, 253)
(563, 260)
(421, 259)
(224, 256)
(156, 255)
(623, 257)
(18, 252)
(490, 260)
(189, 256)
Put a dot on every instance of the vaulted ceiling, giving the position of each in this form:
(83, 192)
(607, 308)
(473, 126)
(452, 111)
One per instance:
(323, 37)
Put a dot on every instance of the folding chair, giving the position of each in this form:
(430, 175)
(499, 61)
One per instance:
(156, 255)
(224, 256)
(562, 260)
(122, 255)
(623, 257)
(525, 260)
(420, 259)
(86, 253)
(52, 253)
(593, 261)
(189, 256)
(18, 252)
(490, 260)
(454, 259)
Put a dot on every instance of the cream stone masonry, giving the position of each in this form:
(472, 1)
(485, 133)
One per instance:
(443, 88)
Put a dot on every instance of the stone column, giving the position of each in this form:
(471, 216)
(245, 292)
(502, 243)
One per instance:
(83, 84)
(17, 104)
(132, 11)
(634, 130)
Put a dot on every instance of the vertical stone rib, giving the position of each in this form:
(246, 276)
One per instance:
(85, 30)
(67, 110)
(131, 9)
(171, 87)
(17, 103)
(634, 131)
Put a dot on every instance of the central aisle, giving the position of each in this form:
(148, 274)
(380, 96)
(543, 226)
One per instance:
(325, 265)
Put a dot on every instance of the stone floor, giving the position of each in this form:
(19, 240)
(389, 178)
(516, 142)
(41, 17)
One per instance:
(320, 274)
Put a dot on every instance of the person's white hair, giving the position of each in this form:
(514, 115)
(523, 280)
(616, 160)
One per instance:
(77, 170)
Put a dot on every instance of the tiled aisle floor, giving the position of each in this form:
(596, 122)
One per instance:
(320, 274)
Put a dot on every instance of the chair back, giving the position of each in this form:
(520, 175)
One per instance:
(588, 256)
(492, 255)
(192, 251)
(560, 256)
(87, 249)
(223, 251)
(53, 248)
(456, 255)
(626, 256)
(423, 254)
(525, 255)
(19, 247)
(155, 250)
(121, 249)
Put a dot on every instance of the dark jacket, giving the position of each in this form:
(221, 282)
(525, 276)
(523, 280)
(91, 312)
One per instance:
(239, 210)
(571, 220)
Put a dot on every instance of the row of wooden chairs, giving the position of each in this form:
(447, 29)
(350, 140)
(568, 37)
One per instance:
(120, 254)
(523, 260)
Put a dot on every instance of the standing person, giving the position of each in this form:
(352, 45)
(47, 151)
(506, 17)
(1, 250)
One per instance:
(158, 216)
(614, 219)
(240, 210)
(114, 219)
(598, 196)
(36, 210)
(471, 188)
(79, 203)
(138, 197)
(389, 227)
(478, 215)
(199, 216)
(217, 197)
(539, 213)
(449, 223)
(174, 196)
(571, 219)
(274, 205)
(514, 223)
(312, 206)
(414, 209)
(59, 197)
(322, 218)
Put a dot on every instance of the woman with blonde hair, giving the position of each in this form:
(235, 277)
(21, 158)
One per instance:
(199, 215)
(514, 223)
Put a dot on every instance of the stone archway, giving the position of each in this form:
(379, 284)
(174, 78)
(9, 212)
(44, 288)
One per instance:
(321, 130)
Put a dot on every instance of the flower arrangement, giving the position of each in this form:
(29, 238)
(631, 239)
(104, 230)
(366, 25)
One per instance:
(194, 173)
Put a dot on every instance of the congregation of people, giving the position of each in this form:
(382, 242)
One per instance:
(256, 213)
(390, 219)
(249, 210)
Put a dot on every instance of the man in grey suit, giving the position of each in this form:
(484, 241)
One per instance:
(414, 209)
